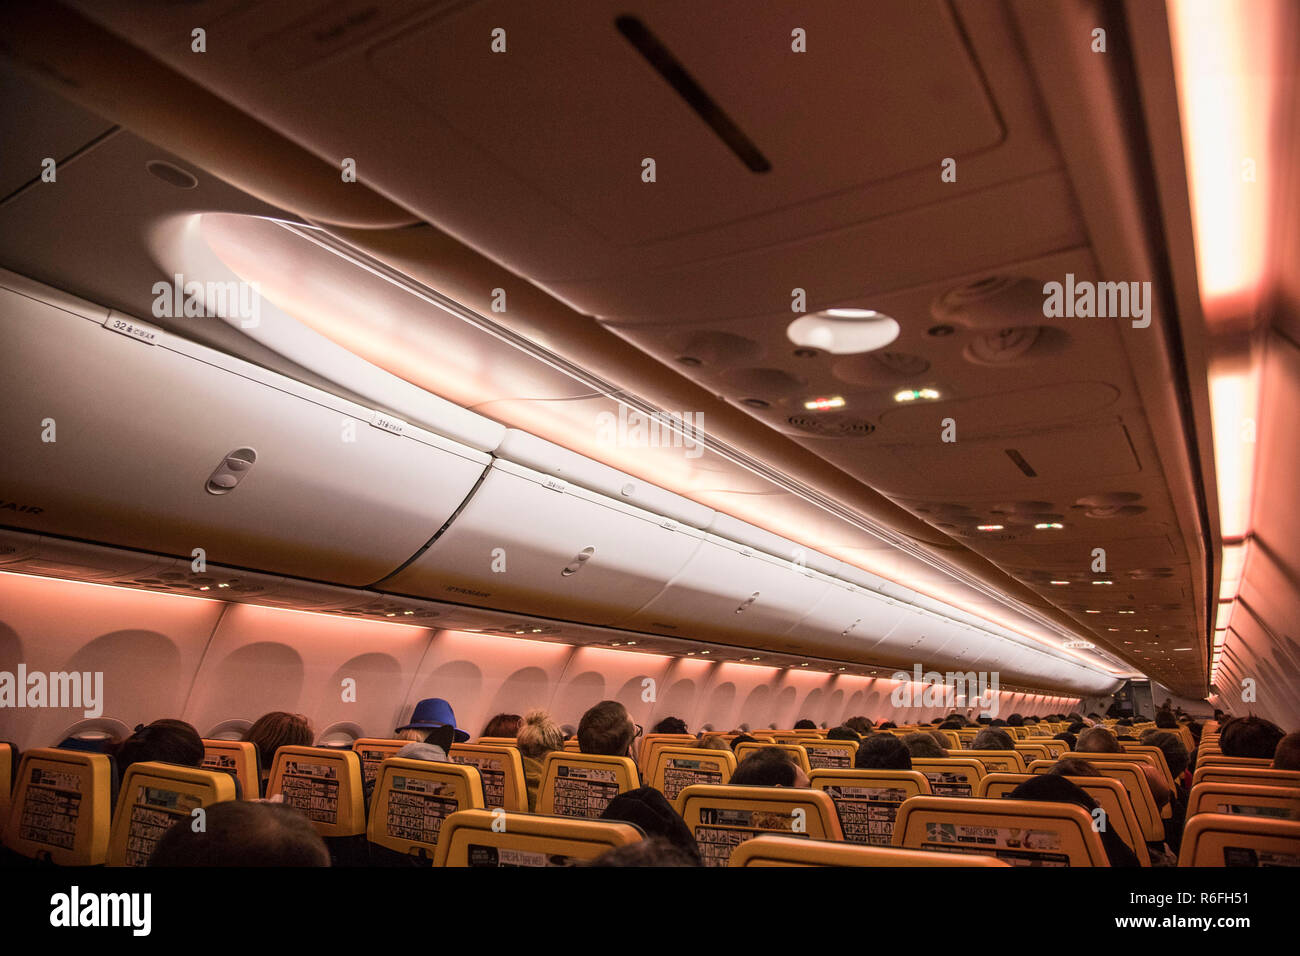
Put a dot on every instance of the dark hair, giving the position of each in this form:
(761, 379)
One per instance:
(805, 724)
(1165, 719)
(1074, 767)
(993, 738)
(739, 739)
(503, 725)
(842, 732)
(951, 724)
(171, 741)
(1171, 746)
(670, 725)
(1056, 789)
(606, 729)
(1069, 738)
(765, 767)
(1015, 720)
(1287, 755)
(1077, 727)
(923, 745)
(862, 725)
(655, 851)
(650, 810)
(1250, 737)
(883, 752)
(277, 729)
(888, 725)
(243, 833)
(998, 722)
(986, 721)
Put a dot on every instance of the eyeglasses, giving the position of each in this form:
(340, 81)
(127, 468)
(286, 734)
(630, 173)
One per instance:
(639, 731)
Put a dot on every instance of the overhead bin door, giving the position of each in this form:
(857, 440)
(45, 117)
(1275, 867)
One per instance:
(113, 439)
(532, 543)
(848, 622)
(728, 589)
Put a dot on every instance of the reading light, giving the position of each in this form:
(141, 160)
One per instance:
(843, 331)
(821, 404)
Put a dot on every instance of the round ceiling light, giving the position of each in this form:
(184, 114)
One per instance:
(843, 331)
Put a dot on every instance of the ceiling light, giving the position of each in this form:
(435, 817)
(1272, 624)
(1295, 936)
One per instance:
(706, 652)
(1126, 612)
(1048, 526)
(1058, 582)
(822, 404)
(912, 394)
(631, 643)
(1103, 582)
(1225, 615)
(843, 331)
(988, 527)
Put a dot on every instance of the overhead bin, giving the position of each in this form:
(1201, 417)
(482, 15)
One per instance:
(535, 544)
(551, 459)
(731, 590)
(847, 622)
(121, 433)
(733, 529)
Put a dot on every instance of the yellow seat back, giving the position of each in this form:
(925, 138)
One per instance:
(496, 838)
(650, 743)
(1109, 793)
(830, 754)
(676, 768)
(1020, 832)
(722, 818)
(998, 761)
(1055, 748)
(950, 776)
(1218, 759)
(413, 799)
(373, 751)
(60, 808)
(1157, 755)
(789, 851)
(1230, 839)
(796, 751)
(237, 758)
(155, 796)
(867, 801)
(1254, 776)
(325, 784)
(1245, 799)
(1031, 750)
(502, 771)
(1133, 778)
(581, 785)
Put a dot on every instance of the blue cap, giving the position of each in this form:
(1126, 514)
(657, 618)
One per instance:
(434, 712)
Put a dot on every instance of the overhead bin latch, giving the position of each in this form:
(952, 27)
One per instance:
(578, 561)
(231, 471)
(748, 601)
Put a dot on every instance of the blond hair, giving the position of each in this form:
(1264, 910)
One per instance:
(539, 735)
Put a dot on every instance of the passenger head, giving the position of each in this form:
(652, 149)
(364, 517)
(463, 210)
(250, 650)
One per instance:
(888, 725)
(922, 745)
(1165, 719)
(1097, 740)
(503, 725)
(1074, 767)
(1015, 720)
(769, 767)
(606, 729)
(655, 851)
(435, 718)
(993, 738)
(951, 724)
(713, 742)
(805, 724)
(942, 742)
(651, 811)
(861, 724)
(243, 833)
(1069, 738)
(171, 741)
(1287, 755)
(842, 732)
(1250, 737)
(883, 752)
(1077, 727)
(670, 725)
(1054, 788)
(539, 735)
(739, 739)
(1171, 746)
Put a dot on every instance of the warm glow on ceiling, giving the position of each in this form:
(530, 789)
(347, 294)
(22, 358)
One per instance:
(1234, 407)
(1226, 59)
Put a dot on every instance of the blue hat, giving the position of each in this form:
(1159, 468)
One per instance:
(434, 712)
